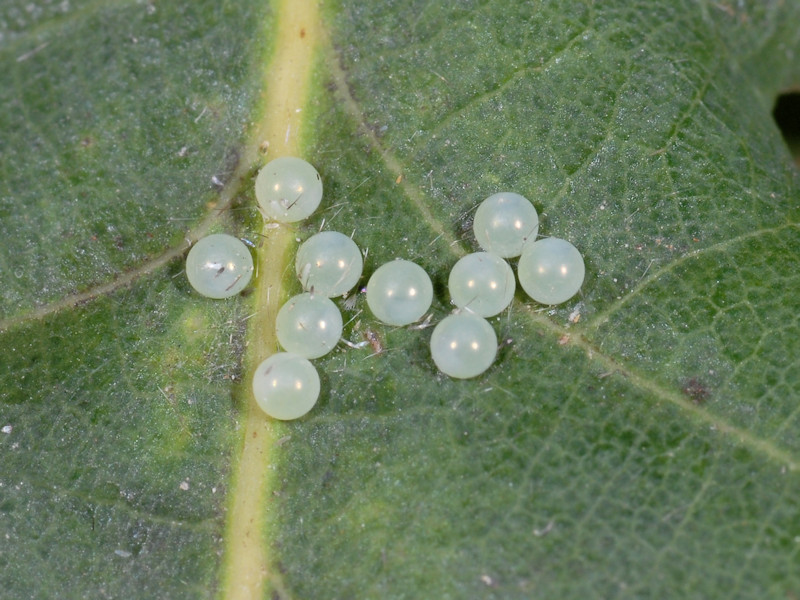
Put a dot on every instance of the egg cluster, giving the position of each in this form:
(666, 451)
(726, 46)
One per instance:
(329, 264)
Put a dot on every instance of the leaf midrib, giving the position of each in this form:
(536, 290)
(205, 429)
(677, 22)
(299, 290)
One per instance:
(287, 76)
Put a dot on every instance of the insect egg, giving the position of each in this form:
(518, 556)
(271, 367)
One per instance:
(399, 292)
(309, 325)
(330, 263)
(463, 345)
(288, 189)
(551, 270)
(482, 283)
(286, 386)
(219, 266)
(504, 222)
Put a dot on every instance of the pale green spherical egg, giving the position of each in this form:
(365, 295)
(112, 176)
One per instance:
(463, 345)
(309, 325)
(482, 283)
(288, 189)
(399, 292)
(329, 263)
(219, 266)
(551, 270)
(504, 222)
(286, 386)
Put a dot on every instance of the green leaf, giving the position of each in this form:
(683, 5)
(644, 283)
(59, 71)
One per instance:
(637, 441)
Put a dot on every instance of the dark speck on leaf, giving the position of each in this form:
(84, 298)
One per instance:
(327, 478)
(696, 390)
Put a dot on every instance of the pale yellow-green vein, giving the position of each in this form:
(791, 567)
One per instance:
(248, 568)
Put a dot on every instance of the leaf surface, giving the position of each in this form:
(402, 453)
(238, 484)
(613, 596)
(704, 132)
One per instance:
(638, 441)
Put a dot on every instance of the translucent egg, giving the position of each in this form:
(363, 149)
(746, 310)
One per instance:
(286, 386)
(309, 325)
(329, 263)
(482, 283)
(399, 292)
(288, 189)
(504, 222)
(463, 345)
(219, 266)
(551, 270)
